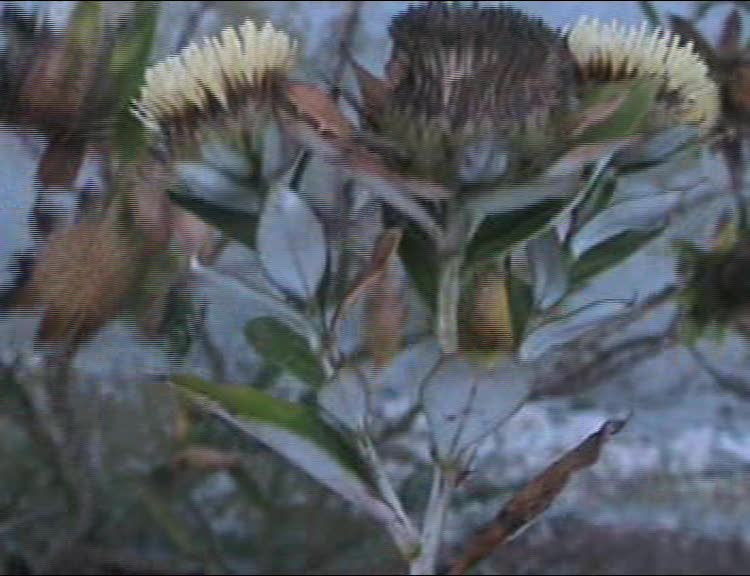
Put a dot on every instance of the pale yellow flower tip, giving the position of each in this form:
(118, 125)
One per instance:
(220, 67)
(637, 52)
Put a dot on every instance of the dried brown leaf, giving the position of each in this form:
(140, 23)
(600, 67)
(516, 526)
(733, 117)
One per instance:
(205, 458)
(386, 316)
(385, 249)
(315, 106)
(61, 161)
(362, 162)
(534, 498)
(375, 92)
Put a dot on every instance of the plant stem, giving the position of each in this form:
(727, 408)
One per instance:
(403, 532)
(443, 483)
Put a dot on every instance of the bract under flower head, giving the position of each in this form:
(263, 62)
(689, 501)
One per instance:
(213, 76)
(612, 51)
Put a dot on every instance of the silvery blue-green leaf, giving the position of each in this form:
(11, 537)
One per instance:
(226, 159)
(642, 214)
(295, 432)
(657, 149)
(345, 398)
(608, 254)
(291, 243)
(465, 402)
(548, 269)
(510, 198)
(207, 182)
(565, 329)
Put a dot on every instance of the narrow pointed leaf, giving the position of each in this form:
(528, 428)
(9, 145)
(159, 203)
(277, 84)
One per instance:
(656, 149)
(608, 254)
(500, 232)
(533, 499)
(558, 332)
(282, 347)
(291, 243)
(506, 199)
(295, 432)
(642, 214)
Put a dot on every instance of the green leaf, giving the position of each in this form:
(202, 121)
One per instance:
(292, 243)
(609, 254)
(126, 67)
(521, 306)
(500, 232)
(236, 224)
(296, 432)
(85, 24)
(417, 252)
(281, 346)
(131, 51)
(630, 117)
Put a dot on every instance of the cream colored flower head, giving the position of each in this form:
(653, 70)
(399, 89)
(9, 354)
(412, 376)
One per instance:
(613, 51)
(216, 75)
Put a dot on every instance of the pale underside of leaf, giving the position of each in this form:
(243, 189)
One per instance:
(558, 332)
(465, 402)
(291, 243)
(642, 214)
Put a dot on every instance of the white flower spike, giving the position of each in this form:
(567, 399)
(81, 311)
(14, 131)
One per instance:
(216, 71)
(623, 52)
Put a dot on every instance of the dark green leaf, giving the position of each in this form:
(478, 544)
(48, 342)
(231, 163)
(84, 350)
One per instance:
(500, 232)
(609, 254)
(281, 346)
(236, 224)
(417, 252)
(296, 431)
(132, 49)
(85, 23)
(521, 305)
(127, 66)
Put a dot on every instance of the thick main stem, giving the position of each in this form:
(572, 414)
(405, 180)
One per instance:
(443, 483)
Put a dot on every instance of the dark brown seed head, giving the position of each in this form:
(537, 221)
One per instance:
(478, 68)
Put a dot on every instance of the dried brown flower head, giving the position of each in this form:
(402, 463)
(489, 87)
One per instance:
(80, 279)
(477, 68)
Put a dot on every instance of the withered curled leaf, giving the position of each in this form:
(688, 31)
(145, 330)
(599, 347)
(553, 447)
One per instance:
(533, 499)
